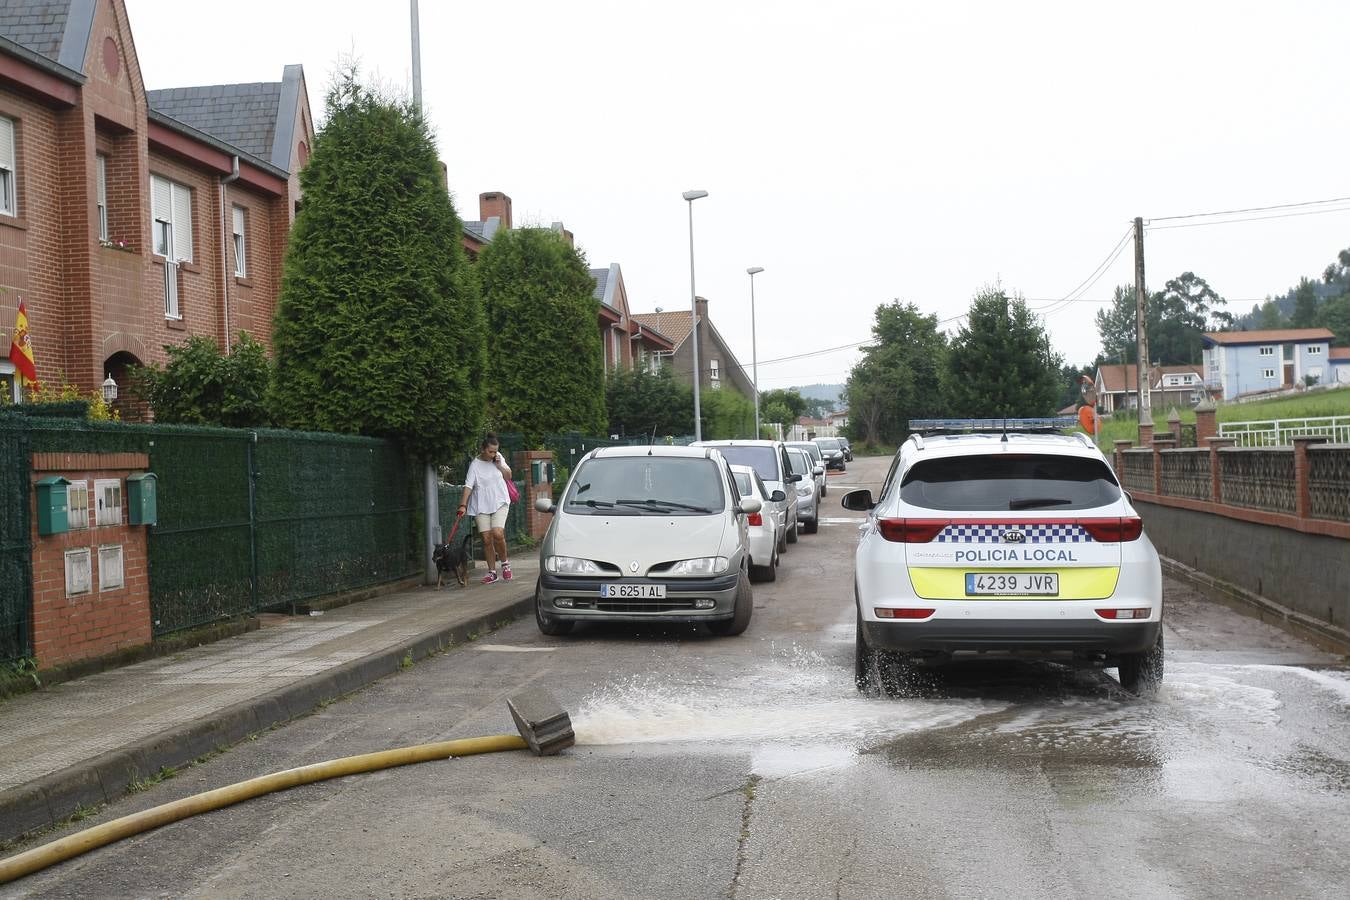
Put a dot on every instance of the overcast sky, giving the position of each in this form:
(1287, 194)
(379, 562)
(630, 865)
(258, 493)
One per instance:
(858, 151)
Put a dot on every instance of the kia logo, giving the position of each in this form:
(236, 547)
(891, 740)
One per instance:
(1013, 537)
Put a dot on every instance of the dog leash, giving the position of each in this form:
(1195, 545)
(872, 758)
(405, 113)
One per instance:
(453, 528)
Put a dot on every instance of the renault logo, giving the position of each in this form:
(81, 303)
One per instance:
(1012, 536)
(633, 566)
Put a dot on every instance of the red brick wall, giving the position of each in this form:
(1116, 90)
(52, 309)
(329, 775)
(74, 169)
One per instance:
(536, 523)
(69, 628)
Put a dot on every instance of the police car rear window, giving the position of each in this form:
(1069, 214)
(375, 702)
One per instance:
(1009, 482)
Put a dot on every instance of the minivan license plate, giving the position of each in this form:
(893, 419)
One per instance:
(633, 591)
(1041, 584)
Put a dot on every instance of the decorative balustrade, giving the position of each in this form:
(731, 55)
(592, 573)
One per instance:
(1136, 470)
(1329, 481)
(1258, 478)
(1186, 473)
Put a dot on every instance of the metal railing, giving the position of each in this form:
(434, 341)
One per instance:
(1281, 432)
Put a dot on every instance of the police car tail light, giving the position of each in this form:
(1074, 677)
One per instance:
(884, 612)
(1124, 528)
(754, 519)
(1137, 613)
(911, 531)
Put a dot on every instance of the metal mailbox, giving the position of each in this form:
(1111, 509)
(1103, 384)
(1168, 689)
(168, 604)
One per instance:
(53, 506)
(142, 499)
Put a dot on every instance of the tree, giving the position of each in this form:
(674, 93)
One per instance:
(203, 386)
(1000, 361)
(1338, 272)
(640, 402)
(900, 376)
(1335, 315)
(1269, 316)
(545, 369)
(1115, 325)
(1178, 317)
(378, 328)
(784, 406)
(1305, 305)
(726, 413)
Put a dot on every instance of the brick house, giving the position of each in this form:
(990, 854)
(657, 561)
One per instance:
(131, 219)
(718, 364)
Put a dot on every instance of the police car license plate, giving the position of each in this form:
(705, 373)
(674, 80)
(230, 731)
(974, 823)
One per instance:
(633, 591)
(1041, 584)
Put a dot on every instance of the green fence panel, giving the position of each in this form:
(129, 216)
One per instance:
(516, 524)
(16, 572)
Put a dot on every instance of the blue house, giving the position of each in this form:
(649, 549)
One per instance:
(1250, 362)
(1340, 365)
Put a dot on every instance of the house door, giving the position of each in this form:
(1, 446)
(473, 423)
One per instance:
(1288, 374)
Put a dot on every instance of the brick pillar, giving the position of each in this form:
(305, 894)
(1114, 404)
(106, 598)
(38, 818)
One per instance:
(1119, 454)
(1145, 434)
(1205, 424)
(536, 522)
(1215, 470)
(1159, 445)
(1302, 499)
(1174, 425)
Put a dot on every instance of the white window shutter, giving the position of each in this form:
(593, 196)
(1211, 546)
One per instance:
(238, 220)
(161, 206)
(6, 143)
(182, 223)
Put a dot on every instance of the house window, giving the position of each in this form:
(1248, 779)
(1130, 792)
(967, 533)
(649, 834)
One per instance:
(240, 250)
(110, 569)
(1268, 374)
(171, 219)
(8, 167)
(108, 496)
(714, 368)
(616, 348)
(101, 171)
(78, 574)
(77, 502)
(1315, 350)
(9, 382)
(1267, 351)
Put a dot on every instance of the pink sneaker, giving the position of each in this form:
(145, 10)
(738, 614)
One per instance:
(489, 578)
(506, 571)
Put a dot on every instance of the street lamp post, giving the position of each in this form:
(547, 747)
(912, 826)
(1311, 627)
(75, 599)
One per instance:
(754, 350)
(691, 196)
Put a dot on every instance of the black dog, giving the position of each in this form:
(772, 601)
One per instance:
(453, 557)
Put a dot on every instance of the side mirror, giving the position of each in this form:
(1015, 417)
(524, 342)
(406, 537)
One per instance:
(858, 501)
(818, 470)
(543, 505)
(777, 497)
(793, 479)
(750, 505)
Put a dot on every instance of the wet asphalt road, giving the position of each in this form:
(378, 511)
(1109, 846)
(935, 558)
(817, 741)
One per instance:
(750, 768)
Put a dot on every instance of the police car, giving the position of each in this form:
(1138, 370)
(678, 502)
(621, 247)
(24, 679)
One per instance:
(1003, 537)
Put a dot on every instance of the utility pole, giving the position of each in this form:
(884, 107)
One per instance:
(416, 59)
(1140, 324)
(430, 479)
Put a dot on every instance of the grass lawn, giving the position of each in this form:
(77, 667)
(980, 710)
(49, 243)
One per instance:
(1335, 402)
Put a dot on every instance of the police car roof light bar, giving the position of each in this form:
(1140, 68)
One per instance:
(1048, 425)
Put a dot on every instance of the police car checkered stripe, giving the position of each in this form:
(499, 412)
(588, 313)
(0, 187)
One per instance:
(990, 533)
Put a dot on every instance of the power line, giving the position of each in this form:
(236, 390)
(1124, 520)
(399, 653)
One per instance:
(1289, 215)
(1086, 284)
(1249, 209)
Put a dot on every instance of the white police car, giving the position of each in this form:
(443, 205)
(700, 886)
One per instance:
(997, 541)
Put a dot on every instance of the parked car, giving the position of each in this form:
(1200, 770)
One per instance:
(833, 453)
(646, 534)
(808, 499)
(762, 529)
(992, 543)
(769, 459)
(813, 450)
(848, 451)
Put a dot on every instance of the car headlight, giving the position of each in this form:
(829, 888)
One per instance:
(570, 565)
(703, 565)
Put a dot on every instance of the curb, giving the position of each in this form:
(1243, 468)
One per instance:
(1325, 635)
(53, 798)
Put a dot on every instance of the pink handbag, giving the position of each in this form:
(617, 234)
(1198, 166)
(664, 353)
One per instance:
(511, 490)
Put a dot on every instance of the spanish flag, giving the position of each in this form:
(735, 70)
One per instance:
(21, 348)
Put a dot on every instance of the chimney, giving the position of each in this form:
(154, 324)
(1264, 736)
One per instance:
(701, 308)
(566, 235)
(495, 203)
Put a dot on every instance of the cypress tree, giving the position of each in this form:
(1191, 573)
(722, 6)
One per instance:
(545, 361)
(378, 328)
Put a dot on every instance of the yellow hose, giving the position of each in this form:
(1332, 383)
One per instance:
(39, 858)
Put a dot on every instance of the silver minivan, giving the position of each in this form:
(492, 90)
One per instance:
(770, 460)
(646, 534)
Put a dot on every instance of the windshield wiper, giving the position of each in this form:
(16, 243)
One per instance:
(666, 504)
(1036, 502)
(605, 504)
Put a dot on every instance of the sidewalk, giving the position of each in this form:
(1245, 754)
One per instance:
(83, 742)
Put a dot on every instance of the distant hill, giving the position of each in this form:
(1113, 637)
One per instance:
(831, 393)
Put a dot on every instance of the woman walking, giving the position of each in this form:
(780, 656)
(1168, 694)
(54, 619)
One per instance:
(487, 500)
